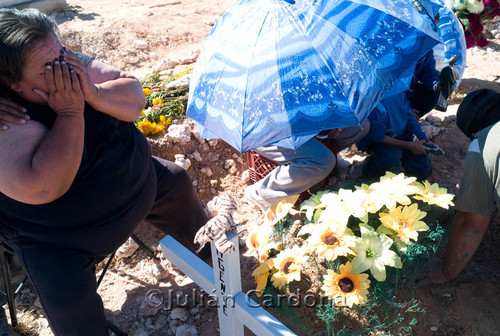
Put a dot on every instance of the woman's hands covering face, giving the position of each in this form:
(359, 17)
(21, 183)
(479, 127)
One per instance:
(64, 94)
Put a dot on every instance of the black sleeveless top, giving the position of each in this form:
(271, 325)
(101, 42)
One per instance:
(113, 190)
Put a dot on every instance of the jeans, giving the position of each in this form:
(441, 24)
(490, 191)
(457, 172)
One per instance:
(303, 167)
(384, 157)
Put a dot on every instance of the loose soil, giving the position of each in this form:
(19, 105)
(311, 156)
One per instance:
(156, 35)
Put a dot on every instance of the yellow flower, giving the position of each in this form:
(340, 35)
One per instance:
(331, 241)
(393, 189)
(257, 239)
(147, 91)
(289, 265)
(157, 101)
(433, 194)
(278, 211)
(346, 288)
(261, 274)
(165, 121)
(406, 222)
(149, 128)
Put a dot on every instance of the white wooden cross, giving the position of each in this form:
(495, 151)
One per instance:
(235, 308)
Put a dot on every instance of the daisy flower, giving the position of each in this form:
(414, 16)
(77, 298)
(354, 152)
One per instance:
(406, 222)
(330, 241)
(433, 194)
(347, 287)
(374, 253)
(289, 265)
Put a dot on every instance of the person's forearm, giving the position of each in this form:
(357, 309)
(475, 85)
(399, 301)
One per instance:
(121, 98)
(465, 236)
(396, 142)
(57, 159)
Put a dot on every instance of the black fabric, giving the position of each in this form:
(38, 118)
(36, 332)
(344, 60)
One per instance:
(422, 99)
(478, 110)
(446, 81)
(115, 185)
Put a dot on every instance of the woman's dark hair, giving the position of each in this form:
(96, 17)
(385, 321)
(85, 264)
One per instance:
(19, 30)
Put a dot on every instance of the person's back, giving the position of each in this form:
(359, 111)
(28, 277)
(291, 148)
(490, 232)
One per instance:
(390, 141)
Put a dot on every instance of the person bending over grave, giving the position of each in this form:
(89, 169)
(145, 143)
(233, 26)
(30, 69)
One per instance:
(302, 168)
(76, 175)
(478, 199)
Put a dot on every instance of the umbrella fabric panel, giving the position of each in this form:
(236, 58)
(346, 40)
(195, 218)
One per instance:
(266, 77)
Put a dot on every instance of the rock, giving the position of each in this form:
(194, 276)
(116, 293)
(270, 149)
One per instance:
(197, 135)
(205, 147)
(132, 60)
(434, 120)
(141, 44)
(196, 155)
(182, 161)
(214, 183)
(430, 131)
(127, 249)
(233, 170)
(179, 133)
(161, 322)
(213, 142)
(141, 332)
(207, 171)
(159, 272)
(181, 314)
(186, 330)
(434, 328)
(229, 163)
(245, 176)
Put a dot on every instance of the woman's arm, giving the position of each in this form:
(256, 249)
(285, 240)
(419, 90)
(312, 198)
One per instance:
(38, 165)
(108, 89)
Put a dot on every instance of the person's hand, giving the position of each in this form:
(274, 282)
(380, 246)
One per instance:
(89, 89)
(432, 272)
(12, 113)
(64, 94)
(417, 147)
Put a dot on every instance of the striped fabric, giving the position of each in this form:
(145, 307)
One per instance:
(275, 71)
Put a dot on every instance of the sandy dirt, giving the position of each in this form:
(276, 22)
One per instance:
(155, 35)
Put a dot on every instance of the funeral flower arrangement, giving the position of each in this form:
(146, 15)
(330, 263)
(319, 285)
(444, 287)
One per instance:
(351, 239)
(473, 14)
(163, 102)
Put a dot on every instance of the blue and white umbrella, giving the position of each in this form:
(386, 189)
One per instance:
(278, 72)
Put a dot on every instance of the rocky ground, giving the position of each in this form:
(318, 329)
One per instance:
(145, 36)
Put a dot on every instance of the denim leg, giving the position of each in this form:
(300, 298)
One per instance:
(383, 157)
(66, 285)
(416, 165)
(299, 170)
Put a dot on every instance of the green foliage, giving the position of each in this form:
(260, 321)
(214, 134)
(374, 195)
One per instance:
(174, 97)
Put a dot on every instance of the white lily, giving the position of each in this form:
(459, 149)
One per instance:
(374, 253)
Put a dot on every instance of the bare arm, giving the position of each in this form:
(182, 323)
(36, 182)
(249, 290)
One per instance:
(38, 165)
(108, 89)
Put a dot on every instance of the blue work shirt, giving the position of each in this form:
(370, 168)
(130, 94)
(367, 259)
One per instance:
(392, 117)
